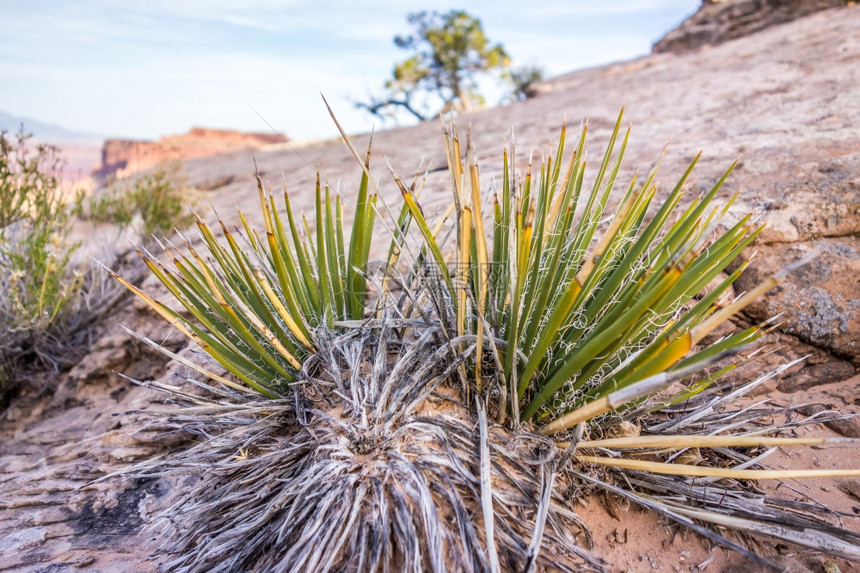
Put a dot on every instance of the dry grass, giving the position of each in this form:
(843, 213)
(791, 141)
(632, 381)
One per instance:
(356, 464)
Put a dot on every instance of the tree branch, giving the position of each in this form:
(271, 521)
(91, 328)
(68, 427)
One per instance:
(376, 107)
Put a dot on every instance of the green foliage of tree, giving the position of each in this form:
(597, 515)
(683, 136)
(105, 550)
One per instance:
(522, 80)
(451, 52)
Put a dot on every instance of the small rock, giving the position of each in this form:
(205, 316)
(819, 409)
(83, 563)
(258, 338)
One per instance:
(85, 561)
(850, 487)
(816, 375)
(848, 425)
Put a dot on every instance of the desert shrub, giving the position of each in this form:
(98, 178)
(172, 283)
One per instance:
(37, 284)
(155, 203)
(34, 219)
(50, 297)
(539, 345)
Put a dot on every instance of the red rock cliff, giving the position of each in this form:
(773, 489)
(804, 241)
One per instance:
(123, 157)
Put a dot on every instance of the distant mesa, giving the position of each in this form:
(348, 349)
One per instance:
(124, 157)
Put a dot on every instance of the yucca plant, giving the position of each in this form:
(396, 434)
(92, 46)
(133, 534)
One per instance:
(430, 420)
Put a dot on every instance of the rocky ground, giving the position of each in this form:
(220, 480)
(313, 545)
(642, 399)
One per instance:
(785, 100)
(719, 21)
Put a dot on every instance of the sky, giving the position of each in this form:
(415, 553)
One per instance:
(144, 69)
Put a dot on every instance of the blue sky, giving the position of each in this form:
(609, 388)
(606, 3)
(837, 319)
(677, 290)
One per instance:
(157, 67)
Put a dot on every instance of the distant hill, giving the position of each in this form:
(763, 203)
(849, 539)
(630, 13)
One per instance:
(46, 132)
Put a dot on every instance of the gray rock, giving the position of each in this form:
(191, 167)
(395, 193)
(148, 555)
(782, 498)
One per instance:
(22, 540)
(820, 302)
(719, 21)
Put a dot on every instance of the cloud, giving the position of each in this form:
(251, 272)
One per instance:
(339, 19)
